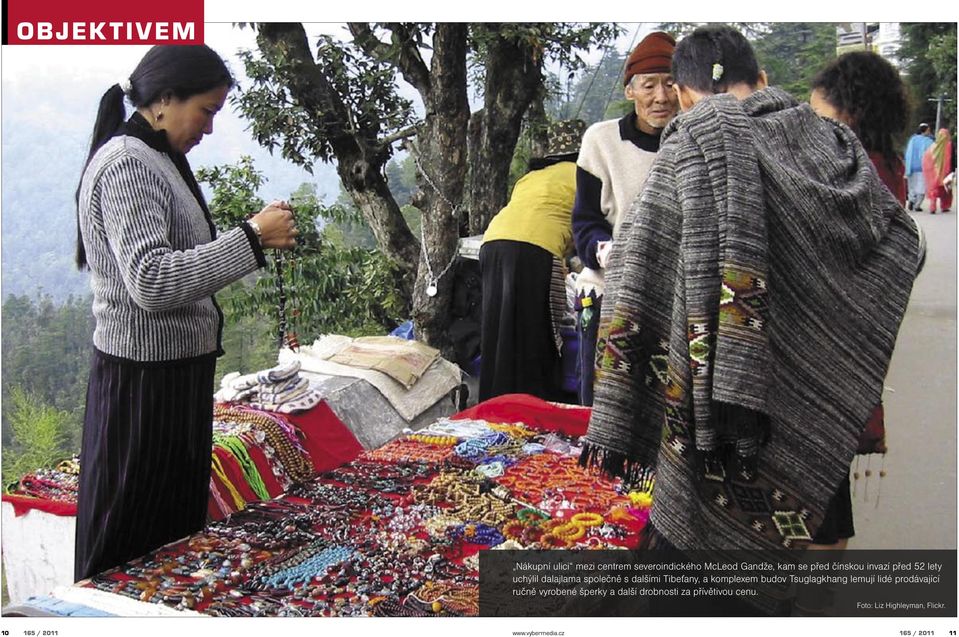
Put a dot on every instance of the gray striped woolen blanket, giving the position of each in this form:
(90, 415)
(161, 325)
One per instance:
(752, 308)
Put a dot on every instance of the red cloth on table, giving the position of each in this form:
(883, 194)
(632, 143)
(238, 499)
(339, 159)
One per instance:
(534, 412)
(23, 504)
(329, 442)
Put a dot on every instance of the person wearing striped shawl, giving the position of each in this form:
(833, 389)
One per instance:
(753, 304)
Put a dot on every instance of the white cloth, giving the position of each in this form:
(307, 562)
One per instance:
(440, 378)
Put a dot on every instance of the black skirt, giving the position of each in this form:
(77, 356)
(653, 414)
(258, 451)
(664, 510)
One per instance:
(144, 458)
(517, 346)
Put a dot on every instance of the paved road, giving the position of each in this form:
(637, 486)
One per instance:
(917, 500)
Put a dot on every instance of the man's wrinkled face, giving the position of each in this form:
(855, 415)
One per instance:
(654, 99)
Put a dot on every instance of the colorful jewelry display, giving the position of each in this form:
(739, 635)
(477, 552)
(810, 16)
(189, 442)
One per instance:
(393, 533)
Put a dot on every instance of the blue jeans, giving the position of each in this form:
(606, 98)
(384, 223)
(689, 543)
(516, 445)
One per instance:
(587, 332)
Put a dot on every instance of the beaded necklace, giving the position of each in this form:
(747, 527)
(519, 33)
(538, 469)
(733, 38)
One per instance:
(251, 436)
(405, 450)
(282, 438)
(448, 598)
(305, 566)
(459, 428)
(557, 482)
(475, 533)
(381, 476)
(221, 504)
(324, 496)
(518, 430)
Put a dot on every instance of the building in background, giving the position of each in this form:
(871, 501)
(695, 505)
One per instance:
(881, 37)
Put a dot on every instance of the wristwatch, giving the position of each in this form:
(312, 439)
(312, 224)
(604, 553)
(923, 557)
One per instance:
(256, 228)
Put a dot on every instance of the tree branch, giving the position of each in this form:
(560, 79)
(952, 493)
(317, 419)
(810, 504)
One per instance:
(371, 45)
(284, 44)
(401, 134)
(406, 57)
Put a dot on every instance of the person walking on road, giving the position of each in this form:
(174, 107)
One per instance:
(938, 171)
(915, 149)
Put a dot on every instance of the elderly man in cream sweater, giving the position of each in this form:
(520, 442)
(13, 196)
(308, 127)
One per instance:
(613, 163)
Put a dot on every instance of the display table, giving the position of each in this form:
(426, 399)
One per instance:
(39, 532)
(397, 531)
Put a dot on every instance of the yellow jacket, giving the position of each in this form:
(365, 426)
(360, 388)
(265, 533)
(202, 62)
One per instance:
(539, 212)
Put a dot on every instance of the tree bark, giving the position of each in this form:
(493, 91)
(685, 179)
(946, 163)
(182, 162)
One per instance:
(441, 154)
(513, 78)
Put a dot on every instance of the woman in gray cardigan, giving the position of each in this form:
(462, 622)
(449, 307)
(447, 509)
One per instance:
(146, 235)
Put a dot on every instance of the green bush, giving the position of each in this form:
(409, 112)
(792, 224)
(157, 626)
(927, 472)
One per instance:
(38, 433)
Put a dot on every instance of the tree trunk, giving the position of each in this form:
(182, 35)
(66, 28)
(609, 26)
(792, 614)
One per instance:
(441, 152)
(537, 122)
(513, 78)
(370, 193)
(360, 158)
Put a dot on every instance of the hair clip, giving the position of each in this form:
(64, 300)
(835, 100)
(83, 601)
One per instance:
(125, 85)
(717, 71)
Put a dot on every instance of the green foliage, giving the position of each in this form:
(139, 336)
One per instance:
(928, 53)
(46, 353)
(39, 435)
(249, 342)
(414, 219)
(366, 86)
(596, 92)
(560, 42)
(401, 177)
(793, 52)
(332, 285)
(234, 197)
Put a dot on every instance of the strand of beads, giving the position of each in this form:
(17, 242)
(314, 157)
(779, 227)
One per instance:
(539, 478)
(518, 430)
(330, 496)
(433, 439)
(281, 434)
(477, 448)
(404, 450)
(307, 570)
(459, 428)
(380, 476)
(451, 486)
(447, 598)
(258, 439)
(475, 533)
(485, 508)
(411, 518)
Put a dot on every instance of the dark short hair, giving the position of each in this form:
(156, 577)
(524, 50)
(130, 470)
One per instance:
(867, 89)
(696, 54)
(922, 129)
(178, 70)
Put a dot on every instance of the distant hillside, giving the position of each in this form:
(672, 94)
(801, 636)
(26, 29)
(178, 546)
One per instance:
(44, 145)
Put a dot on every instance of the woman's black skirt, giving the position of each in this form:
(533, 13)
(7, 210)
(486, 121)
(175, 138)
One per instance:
(144, 459)
(517, 345)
